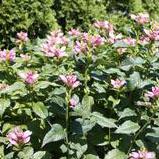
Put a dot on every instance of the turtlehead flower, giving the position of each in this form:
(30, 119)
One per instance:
(17, 137)
(154, 93)
(22, 37)
(70, 81)
(53, 51)
(129, 41)
(7, 55)
(117, 83)
(144, 40)
(29, 77)
(142, 155)
(97, 41)
(104, 25)
(152, 34)
(81, 47)
(141, 18)
(73, 103)
(74, 32)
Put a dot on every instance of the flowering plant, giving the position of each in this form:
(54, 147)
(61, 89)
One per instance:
(82, 95)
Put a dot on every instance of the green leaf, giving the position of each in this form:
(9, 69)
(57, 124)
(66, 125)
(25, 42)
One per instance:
(154, 136)
(128, 127)
(114, 101)
(103, 121)
(90, 156)
(41, 155)
(127, 113)
(40, 109)
(86, 106)
(115, 154)
(55, 134)
(4, 103)
(134, 81)
(26, 153)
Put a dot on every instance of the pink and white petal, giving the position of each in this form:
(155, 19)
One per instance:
(63, 78)
(76, 84)
(13, 142)
(26, 140)
(27, 134)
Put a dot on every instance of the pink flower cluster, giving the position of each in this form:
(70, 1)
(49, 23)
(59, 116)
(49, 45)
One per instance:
(88, 41)
(104, 25)
(22, 37)
(17, 137)
(129, 41)
(141, 18)
(74, 32)
(117, 83)
(154, 93)
(29, 77)
(153, 35)
(7, 55)
(70, 81)
(55, 45)
(142, 155)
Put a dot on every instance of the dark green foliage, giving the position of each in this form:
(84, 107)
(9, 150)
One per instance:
(34, 16)
(73, 13)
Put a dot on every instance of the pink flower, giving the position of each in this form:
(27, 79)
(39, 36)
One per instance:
(7, 55)
(144, 40)
(117, 83)
(97, 41)
(29, 77)
(129, 41)
(22, 36)
(81, 47)
(74, 32)
(141, 18)
(142, 155)
(152, 34)
(104, 25)
(18, 137)
(73, 103)
(53, 51)
(70, 80)
(154, 93)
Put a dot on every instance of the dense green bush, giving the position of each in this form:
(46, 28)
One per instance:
(33, 15)
(73, 13)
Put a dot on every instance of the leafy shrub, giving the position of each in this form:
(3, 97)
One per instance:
(82, 95)
(33, 15)
(78, 13)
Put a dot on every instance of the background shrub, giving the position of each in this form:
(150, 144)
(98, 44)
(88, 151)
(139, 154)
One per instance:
(73, 13)
(34, 16)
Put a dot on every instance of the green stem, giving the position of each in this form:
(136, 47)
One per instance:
(139, 132)
(68, 97)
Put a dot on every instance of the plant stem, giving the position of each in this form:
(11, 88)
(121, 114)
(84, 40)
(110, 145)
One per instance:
(68, 97)
(139, 132)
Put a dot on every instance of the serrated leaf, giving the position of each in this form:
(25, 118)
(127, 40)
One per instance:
(103, 121)
(41, 155)
(128, 127)
(55, 134)
(40, 109)
(4, 103)
(134, 81)
(116, 154)
(127, 113)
